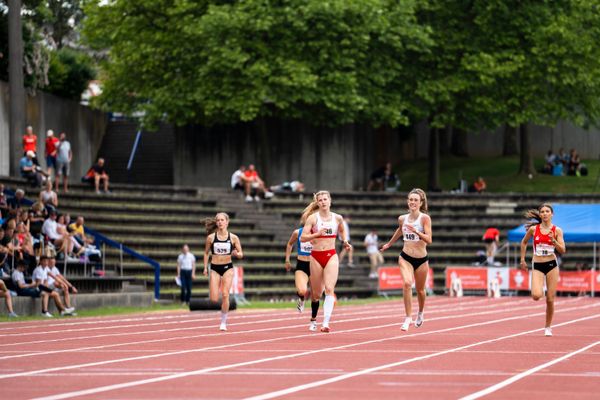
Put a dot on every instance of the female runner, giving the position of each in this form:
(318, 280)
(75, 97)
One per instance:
(223, 245)
(322, 227)
(415, 228)
(547, 240)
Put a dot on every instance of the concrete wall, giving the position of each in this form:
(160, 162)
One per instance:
(84, 127)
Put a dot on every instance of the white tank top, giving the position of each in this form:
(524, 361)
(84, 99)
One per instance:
(410, 236)
(331, 226)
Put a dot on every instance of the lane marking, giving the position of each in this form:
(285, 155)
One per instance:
(524, 374)
(106, 388)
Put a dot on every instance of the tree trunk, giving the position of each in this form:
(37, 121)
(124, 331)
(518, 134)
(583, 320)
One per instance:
(460, 146)
(526, 166)
(445, 135)
(434, 160)
(510, 141)
(15, 84)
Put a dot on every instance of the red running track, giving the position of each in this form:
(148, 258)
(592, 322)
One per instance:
(467, 348)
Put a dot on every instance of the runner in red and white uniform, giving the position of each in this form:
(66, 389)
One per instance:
(547, 240)
(322, 228)
(415, 229)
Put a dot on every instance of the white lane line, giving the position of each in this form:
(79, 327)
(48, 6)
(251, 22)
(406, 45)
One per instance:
(102, 389)
(177, 338)
(366, 371)
(524, 374)
(270, 340)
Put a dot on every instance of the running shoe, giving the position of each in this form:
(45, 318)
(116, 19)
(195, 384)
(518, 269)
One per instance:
(313, 326)
(300, 305)
(47, 315)
(325, 328)
(419, 320)
(548, 332)
(12, 315)
(406, 324)
(223, 327)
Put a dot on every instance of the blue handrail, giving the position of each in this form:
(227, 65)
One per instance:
(100, 238)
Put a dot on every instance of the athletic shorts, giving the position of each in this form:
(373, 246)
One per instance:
(303, 266)
(221, 269)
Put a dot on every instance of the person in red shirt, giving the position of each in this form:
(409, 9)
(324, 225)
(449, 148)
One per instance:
(252, 182)
(30, 144)
(548, 240)
(479, 185)
(491, 238)
(51, 148)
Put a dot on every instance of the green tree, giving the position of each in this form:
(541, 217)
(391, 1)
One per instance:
(334, 62)
(69, 73)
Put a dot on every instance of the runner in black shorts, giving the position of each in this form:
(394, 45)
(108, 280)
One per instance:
(223, 245)
(302, 273)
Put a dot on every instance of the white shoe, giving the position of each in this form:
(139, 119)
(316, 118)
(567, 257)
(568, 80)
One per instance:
(419, 320)
(256, 198)
(406, 324)
(548, 332)
(47, 315)
(269, 195)
(313, 326)
(373, 275)
(223, 327)
(248, 199)
(70, 310)
(300, 305)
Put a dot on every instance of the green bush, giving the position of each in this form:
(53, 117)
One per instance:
(69, 73)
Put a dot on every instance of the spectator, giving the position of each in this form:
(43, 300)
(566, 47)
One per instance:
(3, 204)
(48, 197)
(574, 163)
(78, 231)
(237, 179)
(100, 175)
(375, 256)
(293, 186)
(40, 279)
(28, 289)
(18, 200)
(4, 292)
(384, 179)
(479, 186)
(562, 157)
(491, 238)
(50, 150)
(30, 144)
(29, 170)
(186, 272)
(37, 216)
(346, 238)
(71, 243)
(58, 283)
(253, 182)
(64, 156)
(50, 230)
(550, 160)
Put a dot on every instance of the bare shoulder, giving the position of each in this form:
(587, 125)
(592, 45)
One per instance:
(426, 217)
(210, 238)
(401, 218)
(234, 237)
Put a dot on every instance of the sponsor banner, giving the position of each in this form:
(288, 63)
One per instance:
(237, 285)
(575, 281)
(389, 278)
(500, 274)
(519, 279)
(471, 277)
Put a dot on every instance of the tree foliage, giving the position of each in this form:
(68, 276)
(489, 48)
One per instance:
(333, 62)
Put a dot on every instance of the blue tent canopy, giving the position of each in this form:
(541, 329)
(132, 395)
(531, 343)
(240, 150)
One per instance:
(579, 222)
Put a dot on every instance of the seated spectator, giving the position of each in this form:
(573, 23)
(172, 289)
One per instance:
(50, 230)
(478, 186)
(27, 289)
(4, 253)
(37, 216)
(293, 186)
(550, 160)
(384, 178)
(58, 283)
(97, 174)
(4, 292)
(253, 182)
(30, 171)
(18, 200)
(574, 163)
(48, 197)
(3, 203)
(72, 248)
(40, 279)
(562, 157)
(78, 231)
(237, 179)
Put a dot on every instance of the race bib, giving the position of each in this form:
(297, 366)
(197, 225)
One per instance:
(221, 248)
(410, 236)
(544, 250)
(306, 247)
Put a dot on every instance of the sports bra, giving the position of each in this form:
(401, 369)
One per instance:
(304, 248)
(410, 236)
(331, 226)
(542, 245)
(221, 247)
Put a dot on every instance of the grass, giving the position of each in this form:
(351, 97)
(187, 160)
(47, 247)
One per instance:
(500, 174)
